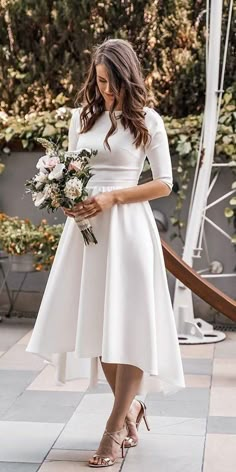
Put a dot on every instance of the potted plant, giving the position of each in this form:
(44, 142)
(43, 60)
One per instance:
(17, 238)
(31, 247)
(46, 245)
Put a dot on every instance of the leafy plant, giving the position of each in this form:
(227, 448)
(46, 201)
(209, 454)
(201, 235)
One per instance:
(45, 247)
(34, 125)
(44, 57)
(21, 236)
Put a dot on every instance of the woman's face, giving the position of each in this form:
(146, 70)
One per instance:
(104, 87)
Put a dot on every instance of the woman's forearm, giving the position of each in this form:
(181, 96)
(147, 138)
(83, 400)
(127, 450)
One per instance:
(141, 193)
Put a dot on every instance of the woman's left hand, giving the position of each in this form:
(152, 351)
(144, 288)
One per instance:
(92, 205)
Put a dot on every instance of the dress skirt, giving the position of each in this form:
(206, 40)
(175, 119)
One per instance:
(111, 300)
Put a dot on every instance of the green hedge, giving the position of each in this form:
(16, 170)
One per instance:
(183, 134)
(45, 49)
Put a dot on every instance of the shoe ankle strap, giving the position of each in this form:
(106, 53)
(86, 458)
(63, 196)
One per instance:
(112, 433)
(112, 437)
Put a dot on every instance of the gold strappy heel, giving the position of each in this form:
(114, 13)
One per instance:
(130, 442)
(107, 461)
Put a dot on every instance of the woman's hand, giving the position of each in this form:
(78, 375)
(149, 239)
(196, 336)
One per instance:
(92, 206)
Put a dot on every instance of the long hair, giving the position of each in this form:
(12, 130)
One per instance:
(124, 71)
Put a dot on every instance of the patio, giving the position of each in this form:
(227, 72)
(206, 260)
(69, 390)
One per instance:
(47, 428)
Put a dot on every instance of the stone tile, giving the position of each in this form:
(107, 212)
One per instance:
(187, 409)
(100, 388)
(48, 407)
(27, 442)
(226, 348)
(17, 358)
(166, 453)
(83, 431)
(224, 373)
(94, 402)
(221, 424)
(13, 383)
(68, 455)
(187, 394)
(222, 401)
(189, 403)
(69, 459)
(177, 426)
(46, 380)
(197, 366)
(85, 428)
(61, 466)
(199, 351)
(26, 338)
(220, 453)
(18, 467)
(197, 381)
(12, 330)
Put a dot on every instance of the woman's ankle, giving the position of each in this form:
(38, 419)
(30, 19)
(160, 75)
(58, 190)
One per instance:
(115, 426)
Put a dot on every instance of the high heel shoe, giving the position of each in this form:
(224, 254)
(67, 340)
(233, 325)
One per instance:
(108, 461)
(130, 442)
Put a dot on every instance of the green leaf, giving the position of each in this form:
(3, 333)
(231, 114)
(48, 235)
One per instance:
(228, 212)
(233, 201)
(184, 148)
(61, 124)
(49, 130)
(174, 220)
(233, 239)
(24, 143)
(227, 97)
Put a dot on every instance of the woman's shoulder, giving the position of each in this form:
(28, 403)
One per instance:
(152, 117)
(75, 118)
(75, 112)
(153, 121)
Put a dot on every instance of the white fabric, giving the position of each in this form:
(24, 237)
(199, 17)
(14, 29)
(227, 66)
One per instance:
(112, 299)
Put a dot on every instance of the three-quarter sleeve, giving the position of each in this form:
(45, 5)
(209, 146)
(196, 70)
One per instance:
(74, 129)
(157, 151)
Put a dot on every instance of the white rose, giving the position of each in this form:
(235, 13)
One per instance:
(40, 197)
(40, 178)
(73, 188)
(57, 172)
(47, 162)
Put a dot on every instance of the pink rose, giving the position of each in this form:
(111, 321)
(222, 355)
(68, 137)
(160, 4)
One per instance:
(46, 162)
(75, 165)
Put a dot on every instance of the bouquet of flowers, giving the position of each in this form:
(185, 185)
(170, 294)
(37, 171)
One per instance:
(61, 182)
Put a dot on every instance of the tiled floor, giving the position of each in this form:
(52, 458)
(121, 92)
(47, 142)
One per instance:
(50, 428)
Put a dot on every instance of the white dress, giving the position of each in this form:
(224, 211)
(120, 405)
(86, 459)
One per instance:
(112, 299)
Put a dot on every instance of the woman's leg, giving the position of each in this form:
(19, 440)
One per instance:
(128, 379)
(125, 385)
(110, 373)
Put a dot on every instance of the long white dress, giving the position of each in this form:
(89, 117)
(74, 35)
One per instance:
(112, 299)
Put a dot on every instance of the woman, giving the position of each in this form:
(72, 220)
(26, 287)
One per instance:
(110, 301)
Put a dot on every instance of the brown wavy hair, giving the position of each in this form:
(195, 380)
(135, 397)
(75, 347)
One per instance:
(124, 71)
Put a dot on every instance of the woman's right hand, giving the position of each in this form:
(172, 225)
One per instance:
(71, 213)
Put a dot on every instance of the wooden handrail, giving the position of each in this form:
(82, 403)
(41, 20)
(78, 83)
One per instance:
(201, 287)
